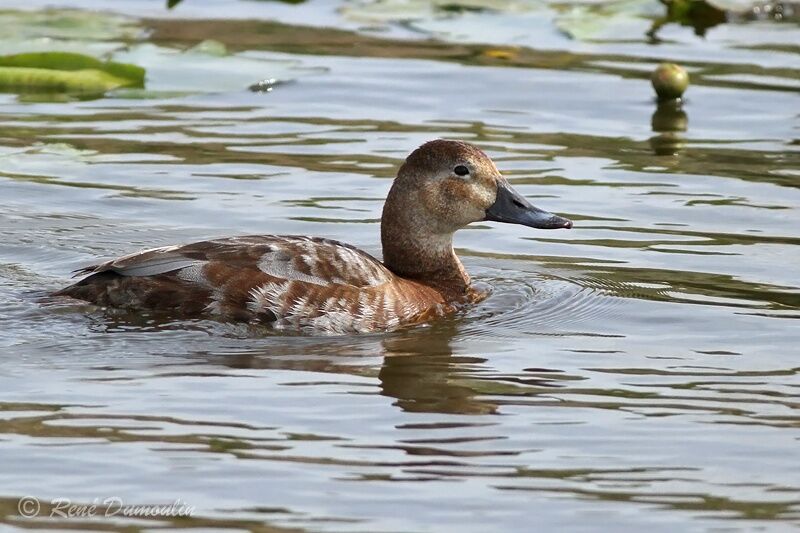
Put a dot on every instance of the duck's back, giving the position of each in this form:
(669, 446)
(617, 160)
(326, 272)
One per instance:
(289, 281)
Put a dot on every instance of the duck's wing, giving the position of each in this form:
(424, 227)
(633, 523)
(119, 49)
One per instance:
(291, 281)
(317, 261)
(144, 263)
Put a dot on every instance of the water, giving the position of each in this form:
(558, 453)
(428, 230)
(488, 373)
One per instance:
(638, 371)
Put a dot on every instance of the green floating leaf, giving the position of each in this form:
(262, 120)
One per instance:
(80, 81)
(173, 3)
(73, 61)
(209, 47)
(66, 24)
(66, 72)
(606, 21)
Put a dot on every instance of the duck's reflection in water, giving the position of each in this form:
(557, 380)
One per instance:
(417, 367)
(421, 372)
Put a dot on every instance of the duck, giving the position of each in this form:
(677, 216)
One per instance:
(318, 285)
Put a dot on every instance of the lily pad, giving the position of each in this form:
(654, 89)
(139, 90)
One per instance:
(620, 19)
(65, 72)
(210, 47)
(133, 74)
(407, 10)
(173, 3)
(73, 81)
(67, 24)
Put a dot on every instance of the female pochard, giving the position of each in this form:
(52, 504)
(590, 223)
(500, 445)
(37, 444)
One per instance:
(325, 286)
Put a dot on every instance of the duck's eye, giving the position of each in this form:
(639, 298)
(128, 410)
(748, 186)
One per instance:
(461, 170)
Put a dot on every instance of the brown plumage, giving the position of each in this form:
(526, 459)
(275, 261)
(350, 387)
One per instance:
(325, 286)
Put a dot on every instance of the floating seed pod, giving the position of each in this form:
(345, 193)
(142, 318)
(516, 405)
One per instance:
(670, 81)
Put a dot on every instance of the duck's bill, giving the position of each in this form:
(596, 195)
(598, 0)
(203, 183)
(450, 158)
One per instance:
(511, 207)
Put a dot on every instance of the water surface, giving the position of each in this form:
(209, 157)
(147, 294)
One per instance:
(639, 371)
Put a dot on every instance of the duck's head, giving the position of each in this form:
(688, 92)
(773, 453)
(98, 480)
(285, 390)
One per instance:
(452, 184)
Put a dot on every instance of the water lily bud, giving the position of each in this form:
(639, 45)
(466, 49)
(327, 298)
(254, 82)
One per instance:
(670, 81)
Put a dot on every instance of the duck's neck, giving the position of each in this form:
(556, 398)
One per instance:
(413, 249)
